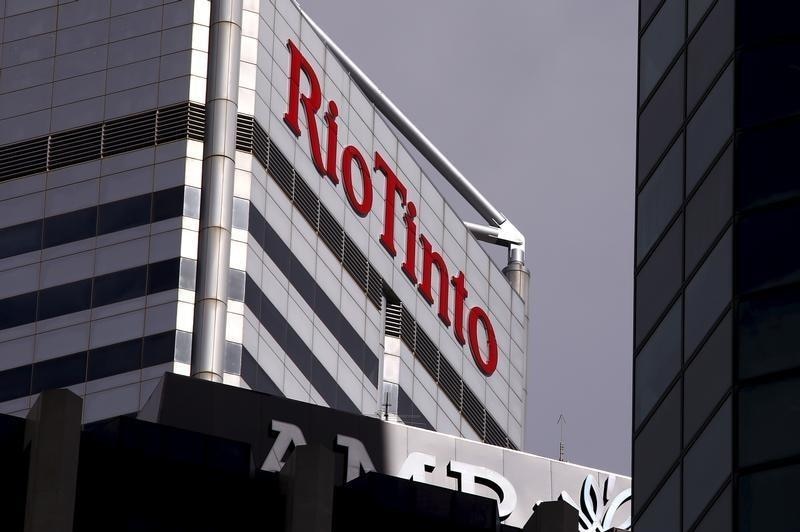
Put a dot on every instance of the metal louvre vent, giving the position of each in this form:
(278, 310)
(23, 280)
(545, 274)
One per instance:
(173, 123)
(196, 125)
(281, 170)
(374, 286)
(331, 232)
(244, 133)
(261, 144)
(495, 434)
(307, 202)
(451, 383)
(23, 158)
(355, 262)
(130, 133)
(75, 146)
(427, 353)
(394, 312)
(474, 412)
(408, 329)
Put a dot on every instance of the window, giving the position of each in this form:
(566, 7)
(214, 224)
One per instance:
(17, 310)
(769, 421)
(188, 274)
(709, 49)
(123, 214)
(659, 200)
(70, 227)
(719, 516)
(660, 120)
(768, 166)
(646, 9)
(236, 285)
(707, 464)
(659, 44)
(657, 363)
(119, 286)
(709, 209)
(708, 293)
(697, 8)
(657, 447)
(767, 254)
(708, 377)
(19, 239)
(163, 275)
(663, 514)
(168, 204)
(658, 280)
(64, 299)
(160, 349)
(768, 500)
(769, 333)
(767, 20)
(769, 81)
(709, 128)
(15, 383)
(114, 359)
(59, 372)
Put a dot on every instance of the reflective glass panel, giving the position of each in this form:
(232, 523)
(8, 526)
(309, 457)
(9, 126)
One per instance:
(21, 238)
(769, 82)
(70, 227)
(660, 120)
(768, 253)
(709, 128)
(708, 293)
(720, 516)
(663, 514)
(769, 421)
(767, 164)
(59, 372)
(115, 359)
(767, 20)
(769, 333)
(768, 500)
(657, 363)
(711, 46)
(660, 199)
(697, 8)
(64, 299)
(707, 464)
(659, 44)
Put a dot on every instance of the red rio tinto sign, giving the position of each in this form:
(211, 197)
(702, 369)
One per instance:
(355, 167)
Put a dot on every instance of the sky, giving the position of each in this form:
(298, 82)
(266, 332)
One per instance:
(534, 102)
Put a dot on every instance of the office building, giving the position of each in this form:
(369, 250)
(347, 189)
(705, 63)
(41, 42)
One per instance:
(716, 301)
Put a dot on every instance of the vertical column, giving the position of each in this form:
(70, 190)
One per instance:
(307, 482)
(216, 200)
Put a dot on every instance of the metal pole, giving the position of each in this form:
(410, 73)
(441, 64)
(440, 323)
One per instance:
(216, 199)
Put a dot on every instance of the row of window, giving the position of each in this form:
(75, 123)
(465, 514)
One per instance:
(87, 365)
(95, 292)
(99, 220)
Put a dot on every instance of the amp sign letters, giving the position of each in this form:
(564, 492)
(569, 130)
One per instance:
(354, 168)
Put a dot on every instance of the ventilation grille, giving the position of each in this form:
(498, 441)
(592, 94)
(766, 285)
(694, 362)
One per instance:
(142, 130)
(244, 133)
(400, 323)
(375, 287)
(331, 232)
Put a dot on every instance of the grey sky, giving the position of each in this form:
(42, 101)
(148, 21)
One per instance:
(534, 101)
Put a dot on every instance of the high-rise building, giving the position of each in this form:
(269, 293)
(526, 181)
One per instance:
(717, 304)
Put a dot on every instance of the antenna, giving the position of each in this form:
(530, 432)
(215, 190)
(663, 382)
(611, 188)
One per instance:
(386, 408)
(562, 448)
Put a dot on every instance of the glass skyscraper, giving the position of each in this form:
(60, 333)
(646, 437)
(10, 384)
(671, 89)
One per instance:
(717, 300)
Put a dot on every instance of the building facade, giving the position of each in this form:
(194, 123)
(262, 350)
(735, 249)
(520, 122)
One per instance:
(716, 300)
(352, 283)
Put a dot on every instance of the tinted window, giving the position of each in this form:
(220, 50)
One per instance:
(769, 81)
(768, 500)
(240, 213)
(657, 363)
(183, 347)
(255, 225)
(719, 516)
(114, 359)
(769, 333)
(663, 514)
(660, 120)
(659, 44)
(252, 297)
(768, 166)
(22, 238)
(188, 274)
(658, 280)
(709, 49)
(708, 377)
(657, 447)
(119, 286)
(17, 310)
(708, 293)
(123, 214)
(707, 464)
(59, 300)
(646, 9)
(168, 204)
(236, 285)
(70, 227)
(697, 8)
(769, 421)
(192, 202)
(768, 253)
(59, 372)
(233, 358)
(767, 20)
(709, 209)
(159, 349)
(709, 128)
(659, 200)
(163, 275)
(15, 383)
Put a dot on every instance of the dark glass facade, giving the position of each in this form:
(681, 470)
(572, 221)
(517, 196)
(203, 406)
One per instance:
(717, 294)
